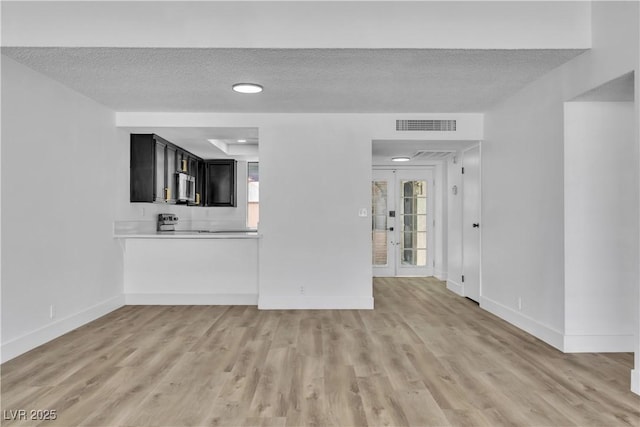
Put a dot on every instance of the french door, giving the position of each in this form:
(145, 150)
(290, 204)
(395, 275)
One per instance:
(402, 222)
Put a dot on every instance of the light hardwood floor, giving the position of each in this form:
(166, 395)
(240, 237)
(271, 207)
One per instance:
(423, 357)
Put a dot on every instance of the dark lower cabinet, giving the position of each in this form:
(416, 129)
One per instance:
(220, 182)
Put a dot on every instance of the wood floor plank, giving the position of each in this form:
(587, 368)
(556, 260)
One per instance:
(423, 357)
(271, 398)
(344, 404)
(381, 405)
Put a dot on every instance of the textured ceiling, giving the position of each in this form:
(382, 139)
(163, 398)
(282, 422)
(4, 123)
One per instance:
(295, 80)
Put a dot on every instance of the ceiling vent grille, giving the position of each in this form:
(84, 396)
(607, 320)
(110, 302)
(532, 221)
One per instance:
(432, 154)
(426, 125)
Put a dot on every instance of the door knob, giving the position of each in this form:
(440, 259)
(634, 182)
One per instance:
(476, 225)
(390, 228)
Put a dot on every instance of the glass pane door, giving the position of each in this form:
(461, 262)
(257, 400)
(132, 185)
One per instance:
(379, 222)
(383, 220)
(401, 222)
(413, 219)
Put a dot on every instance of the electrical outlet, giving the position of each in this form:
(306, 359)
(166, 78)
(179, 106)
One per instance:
(52, 311)
(301, 290)
(519, 303)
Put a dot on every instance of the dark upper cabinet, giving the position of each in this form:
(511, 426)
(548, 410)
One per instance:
(154, 163)
(160, 194)
(171, 168)
(147, 170)
(200, 182)
(192, 166)
(220, 182)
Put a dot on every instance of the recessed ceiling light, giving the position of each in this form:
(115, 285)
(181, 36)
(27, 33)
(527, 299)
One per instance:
(242, 140)
(247, 88)
(400, 159)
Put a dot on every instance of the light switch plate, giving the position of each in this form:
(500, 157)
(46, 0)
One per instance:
(362, 212)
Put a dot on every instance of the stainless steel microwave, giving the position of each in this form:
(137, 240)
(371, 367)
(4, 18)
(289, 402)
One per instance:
(186, 188)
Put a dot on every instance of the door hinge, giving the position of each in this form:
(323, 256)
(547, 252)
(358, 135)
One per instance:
(463, 278)
(462, 171)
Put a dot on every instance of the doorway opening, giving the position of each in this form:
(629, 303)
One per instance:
(416, 226)
(402, 222)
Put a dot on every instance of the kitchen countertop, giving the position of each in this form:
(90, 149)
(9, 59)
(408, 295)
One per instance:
(188, 234)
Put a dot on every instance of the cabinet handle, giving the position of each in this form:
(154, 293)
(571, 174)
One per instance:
(167, 192)
(184, 165)
(197, 198)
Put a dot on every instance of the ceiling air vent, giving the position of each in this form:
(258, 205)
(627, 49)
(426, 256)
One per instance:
(432, 154)
(426, 125)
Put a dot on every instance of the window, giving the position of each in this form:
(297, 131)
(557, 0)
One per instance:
(253, 195)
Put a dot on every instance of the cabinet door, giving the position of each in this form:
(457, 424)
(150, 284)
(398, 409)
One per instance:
(172, 159)
(142, 169)
(201, 176)
(183, 162)
(192, 166)
(220, 183)
(160, 186)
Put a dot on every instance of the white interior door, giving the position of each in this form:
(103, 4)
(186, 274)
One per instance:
(402, 222)
(471, 223)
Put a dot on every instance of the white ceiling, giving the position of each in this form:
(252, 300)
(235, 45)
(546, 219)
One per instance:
(616, 90)
(384, 150)
(195, 139)
(295, 80)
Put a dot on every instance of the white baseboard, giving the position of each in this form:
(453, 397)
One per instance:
(31, 340)
(191, 299)
(314, 303)
(439, 274)
(635, 381)
(455, 287)
(527, 324)
(598, 343)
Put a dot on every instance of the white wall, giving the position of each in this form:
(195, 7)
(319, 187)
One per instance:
(191, 271)
(523, 176)
(441, 218)
(144, 215)
(316, 250)
(454, 224)
(315, 175)
(635, 373)
(601, 226)
(431, 24)
(58, 191)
